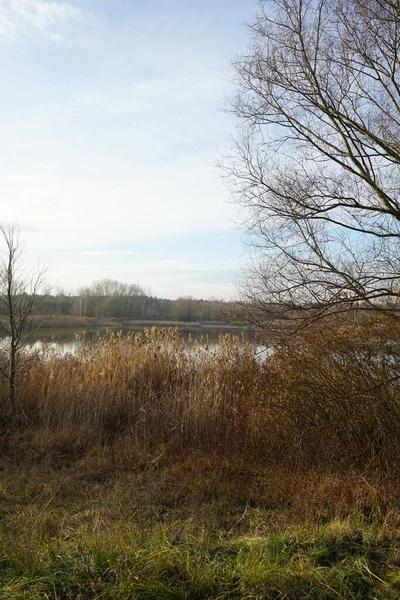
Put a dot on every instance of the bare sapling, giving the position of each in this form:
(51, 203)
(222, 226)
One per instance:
(19, 298)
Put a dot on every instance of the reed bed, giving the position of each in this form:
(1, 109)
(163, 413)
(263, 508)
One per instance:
(147, 386)
(328, 396)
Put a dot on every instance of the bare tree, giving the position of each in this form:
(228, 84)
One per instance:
(19, 298)
(109, 298)
(316, 165)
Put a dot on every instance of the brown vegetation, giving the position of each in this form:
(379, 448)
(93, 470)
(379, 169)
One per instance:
(329, 396)
(143, 468)
(109, 299)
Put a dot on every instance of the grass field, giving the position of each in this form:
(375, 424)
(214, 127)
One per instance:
(195, 528)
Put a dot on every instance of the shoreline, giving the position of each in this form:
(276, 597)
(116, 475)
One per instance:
(68, 321)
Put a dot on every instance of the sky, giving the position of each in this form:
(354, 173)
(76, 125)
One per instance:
(111, 124)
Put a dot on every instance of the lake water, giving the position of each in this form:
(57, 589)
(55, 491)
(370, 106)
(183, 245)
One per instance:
(69, 340)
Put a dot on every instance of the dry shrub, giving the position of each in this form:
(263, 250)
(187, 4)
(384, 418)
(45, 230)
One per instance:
(339, 396)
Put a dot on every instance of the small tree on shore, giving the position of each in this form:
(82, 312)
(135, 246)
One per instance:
(19, 298)
(317, 168)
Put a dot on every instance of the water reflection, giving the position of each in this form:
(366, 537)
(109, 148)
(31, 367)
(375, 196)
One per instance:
(69, 340)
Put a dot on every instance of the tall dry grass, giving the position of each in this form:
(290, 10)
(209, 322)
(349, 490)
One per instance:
(147, 386)
(328, 396)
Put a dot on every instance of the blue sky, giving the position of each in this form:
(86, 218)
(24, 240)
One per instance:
(110, 127)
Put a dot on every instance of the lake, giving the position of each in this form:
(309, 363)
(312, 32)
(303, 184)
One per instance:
(70, 339)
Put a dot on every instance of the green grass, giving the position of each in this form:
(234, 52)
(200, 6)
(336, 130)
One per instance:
(193, 529)
(290, 566)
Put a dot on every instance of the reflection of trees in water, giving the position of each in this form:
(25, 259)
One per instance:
(70, 340)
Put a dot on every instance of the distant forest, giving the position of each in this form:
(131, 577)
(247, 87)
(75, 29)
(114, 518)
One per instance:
(109, 298)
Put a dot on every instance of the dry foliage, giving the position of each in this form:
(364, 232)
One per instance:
(338, 395)
(329, 396)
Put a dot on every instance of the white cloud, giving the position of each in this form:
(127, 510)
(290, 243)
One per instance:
(56, 37)
(164, 278)
(180, 266)
(148, 202)
(17, 16)
(108, 253)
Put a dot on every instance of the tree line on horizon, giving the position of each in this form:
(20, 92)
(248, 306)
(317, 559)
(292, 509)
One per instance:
(115, 299)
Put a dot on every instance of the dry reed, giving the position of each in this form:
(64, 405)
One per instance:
(328, 396)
